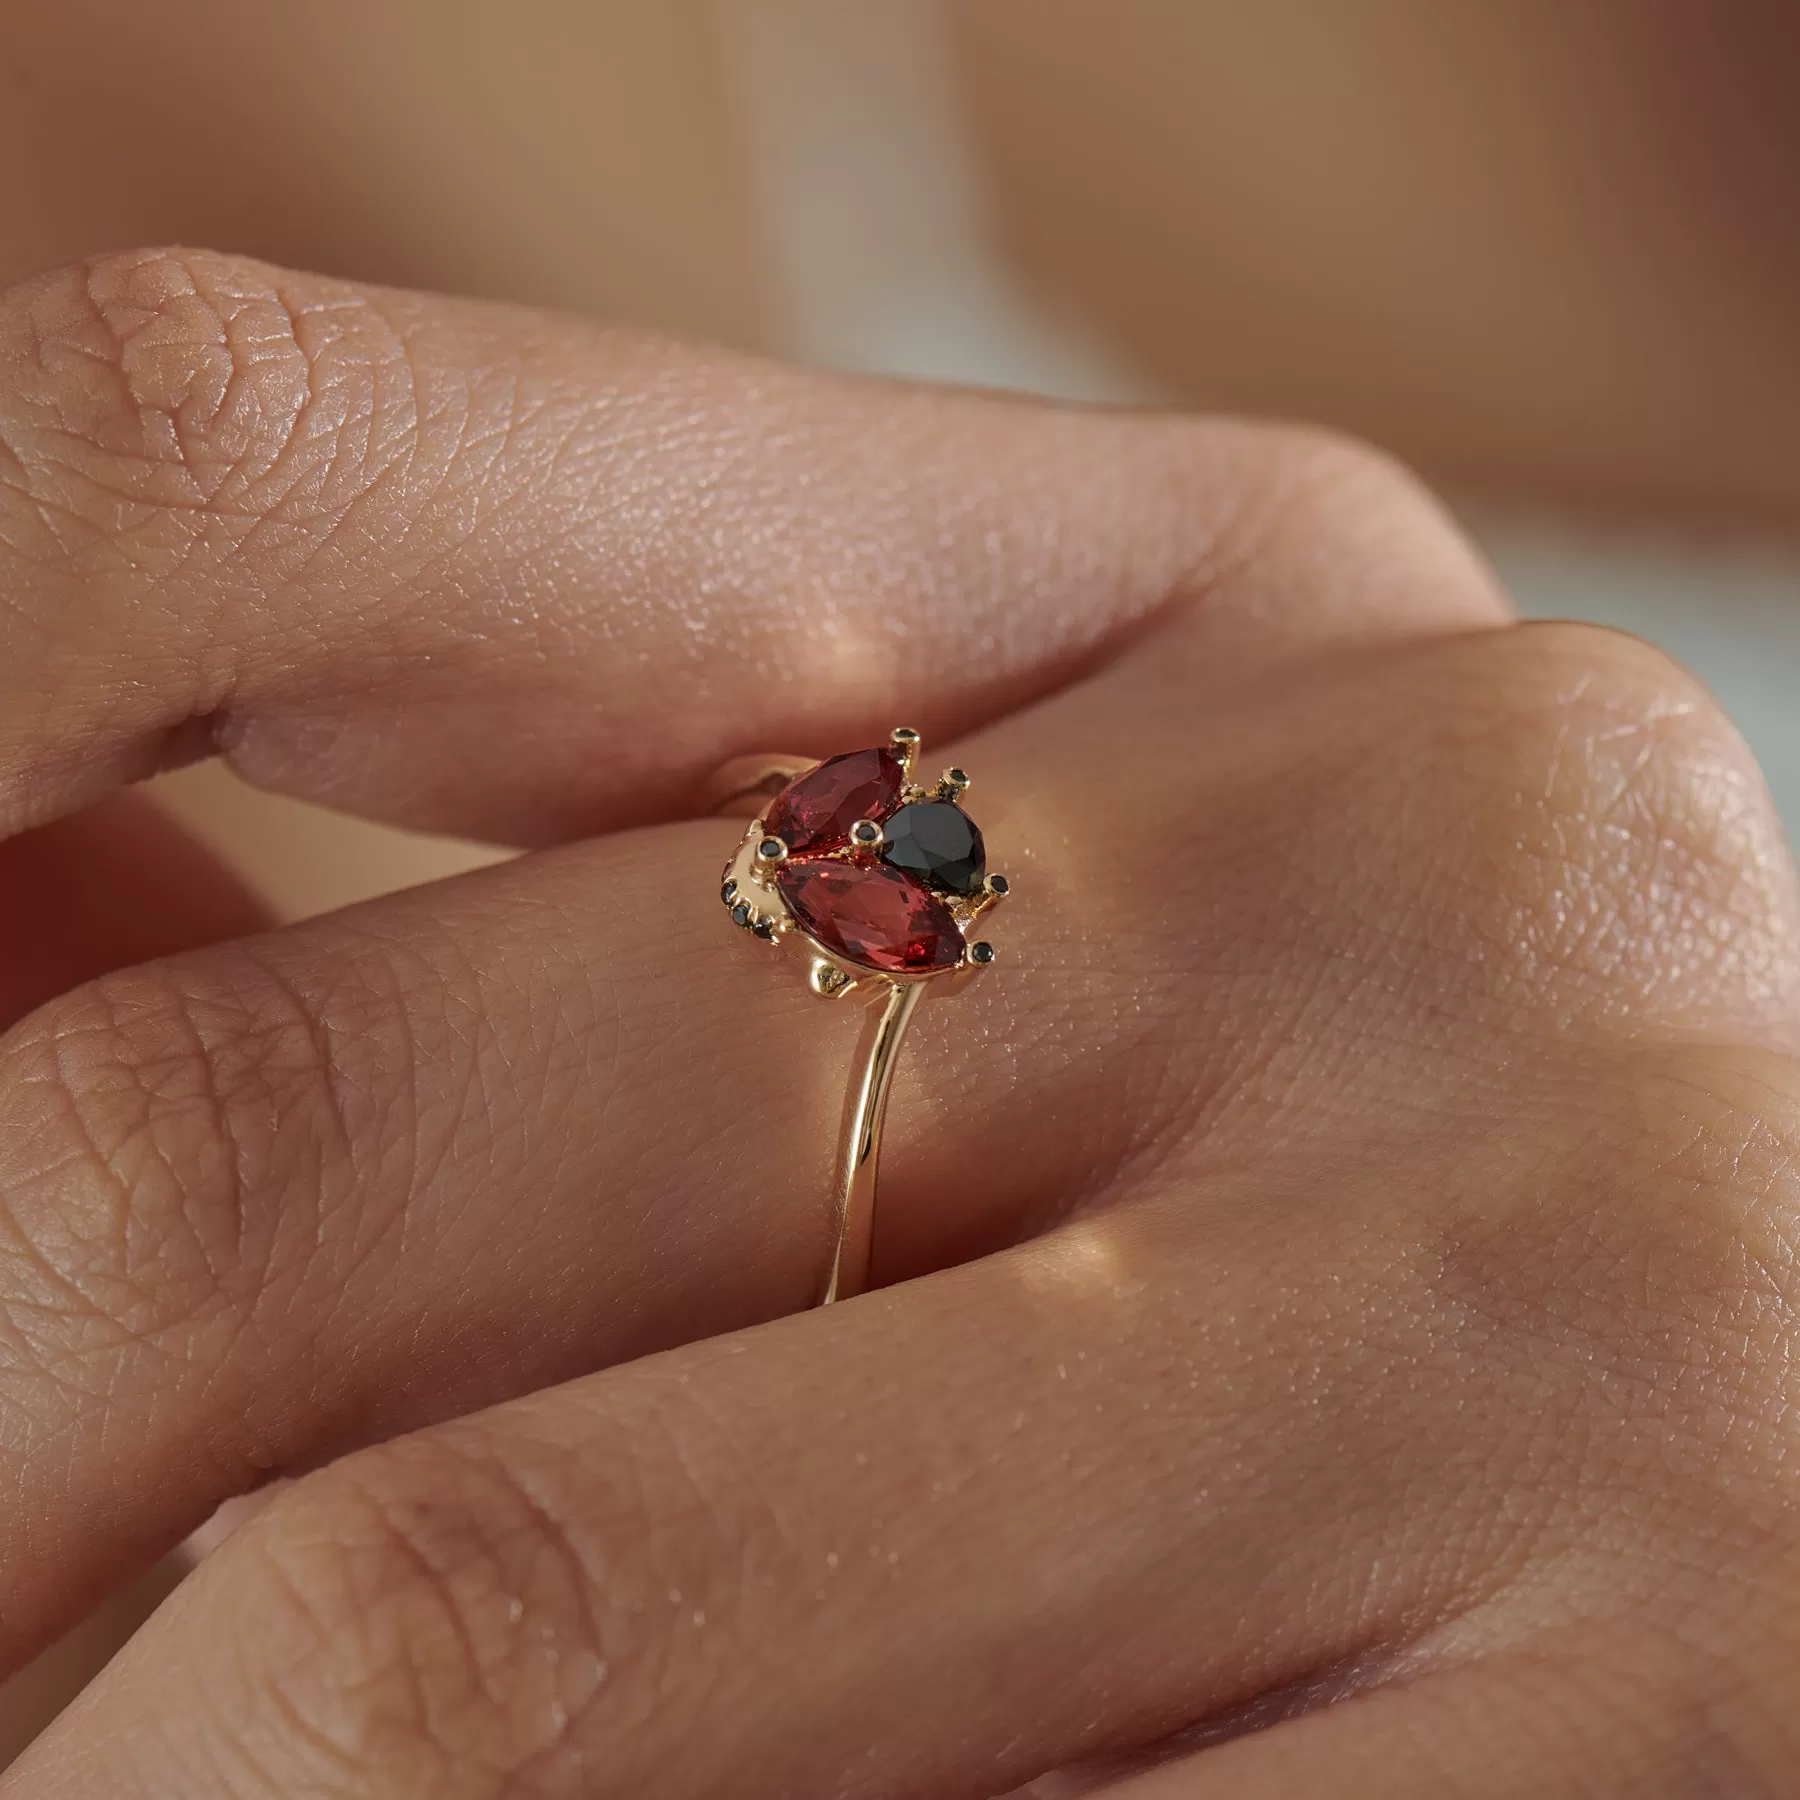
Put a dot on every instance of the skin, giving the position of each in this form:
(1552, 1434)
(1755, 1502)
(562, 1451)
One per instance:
(1341, 1295)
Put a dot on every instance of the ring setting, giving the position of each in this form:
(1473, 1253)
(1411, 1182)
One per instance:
(883, 880)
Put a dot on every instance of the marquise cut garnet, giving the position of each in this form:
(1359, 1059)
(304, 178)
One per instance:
(873, 915)
(816, 811)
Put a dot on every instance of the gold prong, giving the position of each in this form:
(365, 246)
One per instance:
(906, 741)
(993, 891)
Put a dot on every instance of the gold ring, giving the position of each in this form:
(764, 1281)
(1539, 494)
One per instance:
(881, 879)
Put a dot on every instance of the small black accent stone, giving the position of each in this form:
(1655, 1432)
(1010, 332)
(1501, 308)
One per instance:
(938, 842)
(728, 893)
(764, 928)
(956, 778)
(998, 884)
(982, 952)
(771, 849)
(740, 914)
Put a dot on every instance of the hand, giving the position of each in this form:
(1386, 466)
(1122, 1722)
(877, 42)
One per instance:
(1350, 1237)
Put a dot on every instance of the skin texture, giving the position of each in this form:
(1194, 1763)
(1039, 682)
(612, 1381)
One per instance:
(1342, 1286)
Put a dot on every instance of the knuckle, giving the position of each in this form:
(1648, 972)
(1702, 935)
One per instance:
(437, 1605)
(165, 379)
(1699, 1224)
(1382, 526)
(1603, 818)
(1339, 473)
(144, 1114)
(1645, 1278)
(163, 413)
(1608, 717)
(1663, 1241)
(178, 381)
(1595, 669)
(1297, 510)
(1719, 1127)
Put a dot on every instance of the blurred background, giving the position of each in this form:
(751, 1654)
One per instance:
(1547, 250)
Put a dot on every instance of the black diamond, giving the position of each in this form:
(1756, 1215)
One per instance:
(728, 893)
(740, 914)
(937, 841)
(764, 928)
(982, 952)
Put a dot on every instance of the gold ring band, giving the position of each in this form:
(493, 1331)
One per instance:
(881, 879)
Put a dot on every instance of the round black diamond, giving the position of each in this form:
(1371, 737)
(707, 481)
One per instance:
(982, 952)
(938, 842)
(764, 928)
(771, 849)
(740, 914)
(728, 893)
(998, 884)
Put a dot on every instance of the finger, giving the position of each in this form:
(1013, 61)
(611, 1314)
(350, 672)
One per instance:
(264, 1184)
(1079, 1544)
(63, 914)
(1058, 1505)
(251, 1196)
(482, 570)
(1230, 1450)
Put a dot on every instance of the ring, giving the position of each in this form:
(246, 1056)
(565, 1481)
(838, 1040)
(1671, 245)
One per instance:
(881, 880)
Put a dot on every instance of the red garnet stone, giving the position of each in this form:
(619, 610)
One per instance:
(873, 915)
(816, 811)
